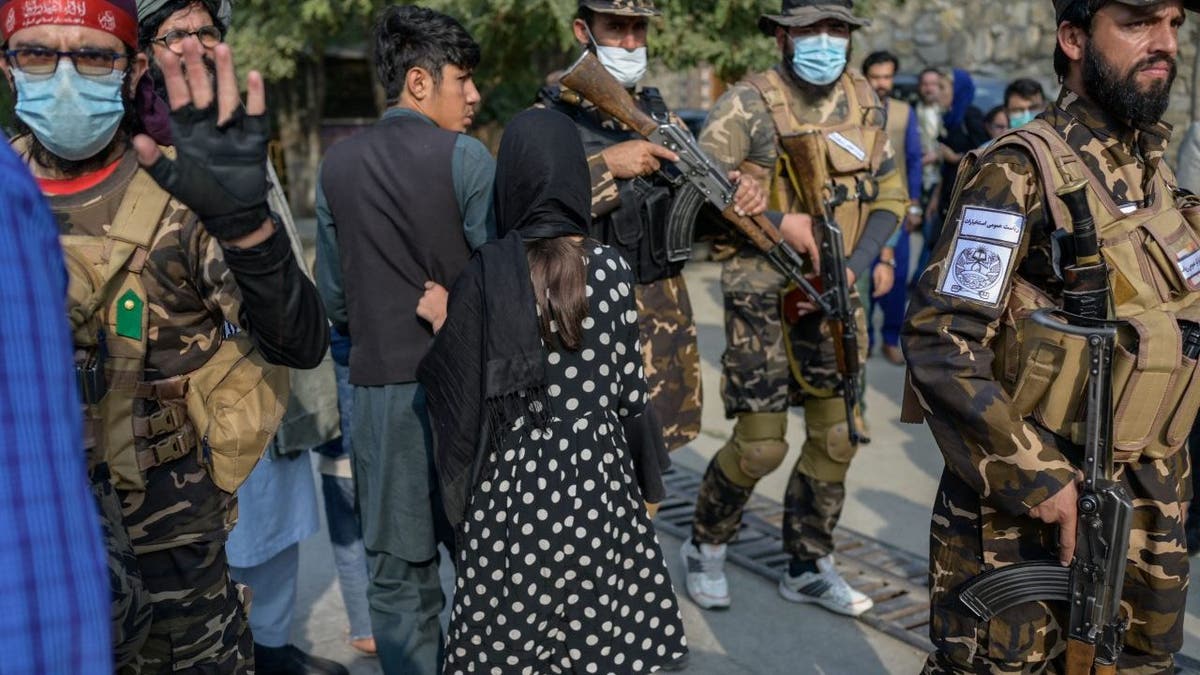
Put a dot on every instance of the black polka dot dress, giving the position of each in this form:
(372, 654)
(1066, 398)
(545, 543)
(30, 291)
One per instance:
(560, 570)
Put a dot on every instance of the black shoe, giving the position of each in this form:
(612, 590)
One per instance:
(290, 660)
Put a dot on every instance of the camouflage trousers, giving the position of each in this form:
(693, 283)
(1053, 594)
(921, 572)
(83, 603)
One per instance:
(967, 537)
(131, 610)
(812, 508)
(672, 358)
(766, 368)
(178, 526)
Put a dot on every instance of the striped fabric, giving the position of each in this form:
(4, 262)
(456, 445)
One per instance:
(54, 588)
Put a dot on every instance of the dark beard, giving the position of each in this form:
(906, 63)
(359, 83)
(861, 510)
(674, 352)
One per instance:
(43, 157)
(1119, 96)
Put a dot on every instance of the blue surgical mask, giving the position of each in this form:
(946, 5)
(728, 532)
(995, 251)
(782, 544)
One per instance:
(73, 115)
(819, 59)
(1021, 119)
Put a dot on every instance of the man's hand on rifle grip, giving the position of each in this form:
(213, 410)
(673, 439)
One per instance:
(1061, 509)
(636, 158)
(750, 198)
(797, 231)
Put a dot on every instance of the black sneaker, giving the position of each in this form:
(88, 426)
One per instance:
(290, 660)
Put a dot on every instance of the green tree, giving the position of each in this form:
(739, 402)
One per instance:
(286, 42)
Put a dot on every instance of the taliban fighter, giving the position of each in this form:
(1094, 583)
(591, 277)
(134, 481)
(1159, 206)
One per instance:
(768, 364)
(995, 391)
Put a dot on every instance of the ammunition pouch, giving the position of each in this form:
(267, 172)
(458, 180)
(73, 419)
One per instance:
(1156, 389)
(1153, 257)
(235, 403)
(638, 229)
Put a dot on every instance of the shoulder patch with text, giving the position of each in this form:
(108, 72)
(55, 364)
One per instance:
(982, 258)
(1002, 226)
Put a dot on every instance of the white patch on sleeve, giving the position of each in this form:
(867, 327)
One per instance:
(848, 145)
(989, 224)
(978, 271)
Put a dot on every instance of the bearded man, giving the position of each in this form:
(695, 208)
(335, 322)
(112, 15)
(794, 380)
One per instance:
(1008, 492)
(184, 295)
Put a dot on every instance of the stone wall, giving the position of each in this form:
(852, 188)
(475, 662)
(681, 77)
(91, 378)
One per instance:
(998, 39)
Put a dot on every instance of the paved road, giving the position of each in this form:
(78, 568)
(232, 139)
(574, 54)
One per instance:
(891, 487)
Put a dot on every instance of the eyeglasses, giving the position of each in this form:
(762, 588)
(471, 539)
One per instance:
(209, 37)
(42, 61)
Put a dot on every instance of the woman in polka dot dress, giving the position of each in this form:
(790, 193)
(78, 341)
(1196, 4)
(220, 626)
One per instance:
(559, 569)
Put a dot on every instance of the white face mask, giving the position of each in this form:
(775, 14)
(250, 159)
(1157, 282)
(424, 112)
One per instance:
(626, 66)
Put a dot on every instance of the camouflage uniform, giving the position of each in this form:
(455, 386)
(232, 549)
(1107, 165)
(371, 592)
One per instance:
(768, 366)
(668, 331)
(999, 465)
(178, 524)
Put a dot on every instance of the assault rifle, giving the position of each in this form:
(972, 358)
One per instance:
(1092, 585)
(819, 196)
(698, 179)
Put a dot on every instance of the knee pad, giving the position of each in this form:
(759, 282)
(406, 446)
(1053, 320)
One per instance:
(756, 449)
(827, 449)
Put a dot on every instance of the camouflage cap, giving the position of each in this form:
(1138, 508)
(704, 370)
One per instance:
(1061, 6)
(807, 12)
(621, 7)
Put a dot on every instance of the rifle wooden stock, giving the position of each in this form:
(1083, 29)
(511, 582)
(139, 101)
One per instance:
(588, 78)
(807, 155)
(1080, 657)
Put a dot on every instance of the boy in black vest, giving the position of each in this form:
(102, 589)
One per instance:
(400, 207)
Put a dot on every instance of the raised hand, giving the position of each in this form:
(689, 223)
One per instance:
(220, 169)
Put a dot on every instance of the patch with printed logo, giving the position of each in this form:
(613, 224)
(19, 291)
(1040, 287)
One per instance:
(990, 224)
(977, 271)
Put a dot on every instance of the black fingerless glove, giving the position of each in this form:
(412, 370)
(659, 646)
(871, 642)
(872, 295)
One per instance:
(220, 171)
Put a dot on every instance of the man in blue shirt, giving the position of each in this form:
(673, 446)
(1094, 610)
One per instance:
(54, 592)
(400, 207)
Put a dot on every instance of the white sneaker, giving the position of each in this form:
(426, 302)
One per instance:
(824, 587)
(706, 581)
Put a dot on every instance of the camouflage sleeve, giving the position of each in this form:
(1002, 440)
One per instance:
(952, 322)
(215, 280)
(739, 129)
(605, 197)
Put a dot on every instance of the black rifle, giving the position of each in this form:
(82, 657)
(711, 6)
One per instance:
(1092, 584)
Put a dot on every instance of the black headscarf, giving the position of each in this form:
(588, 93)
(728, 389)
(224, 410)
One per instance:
(486, 367)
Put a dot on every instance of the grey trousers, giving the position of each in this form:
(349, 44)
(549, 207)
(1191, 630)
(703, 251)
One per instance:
(402, 523)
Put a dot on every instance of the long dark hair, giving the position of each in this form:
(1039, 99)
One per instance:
(559, 275)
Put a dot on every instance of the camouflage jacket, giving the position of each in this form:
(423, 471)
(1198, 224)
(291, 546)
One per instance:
(740, 134)
(948, 337)
(191, 293)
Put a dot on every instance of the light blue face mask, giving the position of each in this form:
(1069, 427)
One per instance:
(1021, 119)
(73, 115)
(819, 59)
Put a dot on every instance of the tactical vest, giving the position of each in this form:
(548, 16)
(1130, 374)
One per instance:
(1153, 258)
(228, 409)
(855, 149)
(638, 227)
(897, 130)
